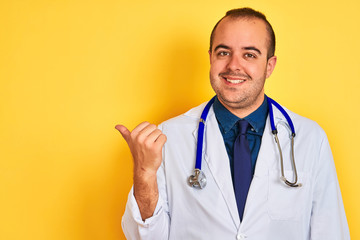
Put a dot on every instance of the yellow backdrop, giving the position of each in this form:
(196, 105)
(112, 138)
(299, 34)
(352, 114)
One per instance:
(71, 70)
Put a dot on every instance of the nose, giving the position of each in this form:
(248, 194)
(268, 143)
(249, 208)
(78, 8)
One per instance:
(235, 63)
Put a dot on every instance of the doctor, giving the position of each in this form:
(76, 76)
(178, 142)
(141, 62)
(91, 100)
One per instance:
(240, 158)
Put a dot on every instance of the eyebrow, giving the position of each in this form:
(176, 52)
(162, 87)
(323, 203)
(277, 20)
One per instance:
(252, 48)
(221, 46)
(245, 48)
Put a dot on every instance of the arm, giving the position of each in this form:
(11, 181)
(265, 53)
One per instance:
(328, 220)
(144, 216)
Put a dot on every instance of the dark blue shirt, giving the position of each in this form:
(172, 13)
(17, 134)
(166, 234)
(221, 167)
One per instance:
(229, 130)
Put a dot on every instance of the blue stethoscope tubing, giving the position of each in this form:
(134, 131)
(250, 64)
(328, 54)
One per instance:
(198, 180)
(201, 130)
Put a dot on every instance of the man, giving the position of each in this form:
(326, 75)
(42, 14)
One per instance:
(239, 149)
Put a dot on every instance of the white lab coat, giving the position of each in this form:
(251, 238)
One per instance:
(273, 210)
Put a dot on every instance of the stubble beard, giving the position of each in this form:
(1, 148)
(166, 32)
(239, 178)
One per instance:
(243, 100)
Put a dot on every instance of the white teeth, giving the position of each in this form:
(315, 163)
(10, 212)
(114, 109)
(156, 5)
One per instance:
(234, 81)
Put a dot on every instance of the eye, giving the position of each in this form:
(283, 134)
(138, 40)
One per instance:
(250, 55)
(223, 53)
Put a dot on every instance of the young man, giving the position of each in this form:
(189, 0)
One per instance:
(244, 196)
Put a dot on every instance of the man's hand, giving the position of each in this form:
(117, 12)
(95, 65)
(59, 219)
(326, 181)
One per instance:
(145, 143)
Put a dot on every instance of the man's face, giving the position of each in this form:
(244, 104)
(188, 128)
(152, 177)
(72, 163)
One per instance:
(239, 64)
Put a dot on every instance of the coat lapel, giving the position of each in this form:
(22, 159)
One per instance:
(268, 154)
(268, 158)
(216, 157)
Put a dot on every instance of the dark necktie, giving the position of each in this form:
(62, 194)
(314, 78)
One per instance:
(242, 167)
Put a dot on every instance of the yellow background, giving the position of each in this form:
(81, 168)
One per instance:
(71, 70)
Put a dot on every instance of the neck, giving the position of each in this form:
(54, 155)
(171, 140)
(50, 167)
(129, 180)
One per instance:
(245, 110)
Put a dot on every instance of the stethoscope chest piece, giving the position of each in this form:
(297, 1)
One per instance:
(198, 180)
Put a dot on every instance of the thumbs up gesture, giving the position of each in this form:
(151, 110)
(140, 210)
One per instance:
(145, 143)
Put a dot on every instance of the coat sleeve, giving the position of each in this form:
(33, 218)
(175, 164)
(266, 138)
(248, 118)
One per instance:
(328, 220)
(157, 226)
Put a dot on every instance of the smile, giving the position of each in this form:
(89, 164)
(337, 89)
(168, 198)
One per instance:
(233, 80)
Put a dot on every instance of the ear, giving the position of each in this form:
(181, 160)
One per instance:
(270, 66)
(209, 55)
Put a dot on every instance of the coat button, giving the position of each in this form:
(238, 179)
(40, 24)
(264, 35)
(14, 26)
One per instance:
(240, 236)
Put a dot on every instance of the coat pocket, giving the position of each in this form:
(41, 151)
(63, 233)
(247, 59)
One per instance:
(285, 202)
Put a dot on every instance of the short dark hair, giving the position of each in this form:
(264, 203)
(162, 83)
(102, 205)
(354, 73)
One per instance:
(248, 13)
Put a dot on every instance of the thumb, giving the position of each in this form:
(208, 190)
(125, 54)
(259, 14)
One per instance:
(124, 131)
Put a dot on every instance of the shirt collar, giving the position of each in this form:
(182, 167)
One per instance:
(257, 118)
(227, 120)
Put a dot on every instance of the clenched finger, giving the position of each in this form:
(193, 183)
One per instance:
(139, 127)
(146, 131)
(161, 140)
(153, 136)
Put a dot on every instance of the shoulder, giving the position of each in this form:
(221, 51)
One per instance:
(305, 125)
(187, 119)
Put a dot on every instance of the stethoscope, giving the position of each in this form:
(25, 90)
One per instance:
(198, 179)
